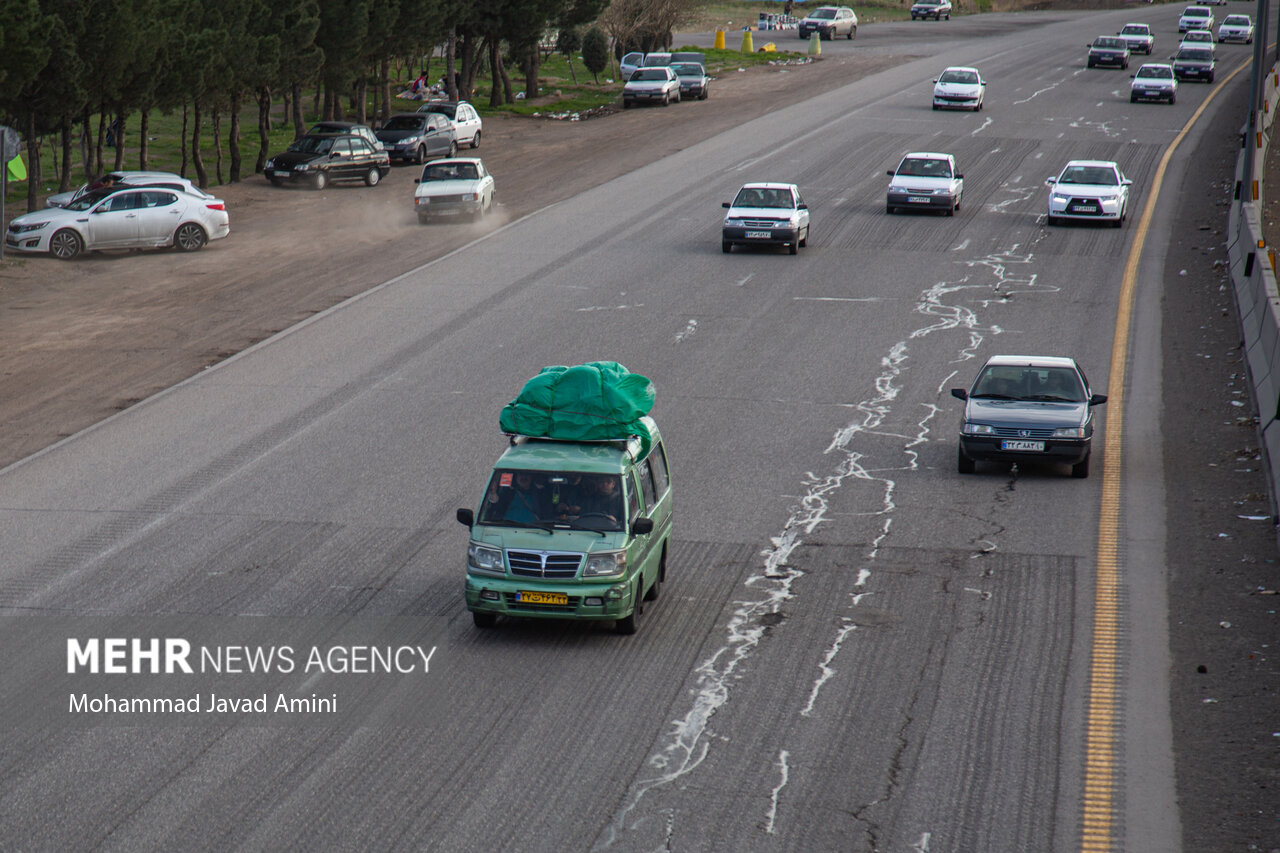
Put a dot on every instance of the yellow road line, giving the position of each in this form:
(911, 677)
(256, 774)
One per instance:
(1098, 818)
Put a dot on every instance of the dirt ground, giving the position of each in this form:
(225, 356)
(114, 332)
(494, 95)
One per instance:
(83, 339)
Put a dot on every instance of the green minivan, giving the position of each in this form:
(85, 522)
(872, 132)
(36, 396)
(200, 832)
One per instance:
(571, 530)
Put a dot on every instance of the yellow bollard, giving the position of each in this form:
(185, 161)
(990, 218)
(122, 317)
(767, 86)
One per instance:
(815, 44)
(748, 46)
(719, 45)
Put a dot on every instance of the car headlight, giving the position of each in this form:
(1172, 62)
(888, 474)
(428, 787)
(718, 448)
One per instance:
(943, 191)
(270, 164)
(894, 188)
(605, 564)
(978, 429)
(483, 558)
(1069, 432)
(23, 229)
(471, 196)
(302, 167)
(412, 140)
(735, 223)
(1058, 198)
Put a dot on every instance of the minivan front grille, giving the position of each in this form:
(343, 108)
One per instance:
(544, 564)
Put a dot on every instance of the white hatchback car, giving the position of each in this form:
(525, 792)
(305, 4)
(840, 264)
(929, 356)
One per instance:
(766, 214)
(1236, 28)
(1154, 82)
(467, 125)
(1089, 190)
(453, 187)
(925, 181)
(959, 88)
(168, 180)
(121, 218)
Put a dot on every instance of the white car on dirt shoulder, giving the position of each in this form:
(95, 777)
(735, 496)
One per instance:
(959, 88)
(1089, 190)
(925, 181)
(460, 186)
(168, 180)
(121, 218)
(467, 124)
(659, 85)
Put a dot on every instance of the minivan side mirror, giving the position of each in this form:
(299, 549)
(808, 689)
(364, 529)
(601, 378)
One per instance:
(466, 517)
(1097, 399)
(958, 393)
(640, 526)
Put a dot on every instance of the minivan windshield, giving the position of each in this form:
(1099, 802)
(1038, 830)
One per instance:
(554, 500)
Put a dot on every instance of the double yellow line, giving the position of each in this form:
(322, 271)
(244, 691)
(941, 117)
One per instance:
(1098, 822)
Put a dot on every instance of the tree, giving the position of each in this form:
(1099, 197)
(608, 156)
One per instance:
(568, 42)
(595, 51)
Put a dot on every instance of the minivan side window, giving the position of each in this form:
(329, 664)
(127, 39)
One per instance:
(646, 484)
(661, 474)
(633, 501)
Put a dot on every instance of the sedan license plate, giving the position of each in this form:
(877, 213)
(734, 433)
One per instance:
(1022, 445)
(759, 235)
(1082, 208)
(915, 199)
(280, 174)
(526, 596)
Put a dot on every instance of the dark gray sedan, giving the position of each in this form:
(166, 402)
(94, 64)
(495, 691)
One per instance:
(1023, 408)
(694, 82)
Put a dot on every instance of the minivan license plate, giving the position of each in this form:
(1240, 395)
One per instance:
(1022, 445)
(526, 596)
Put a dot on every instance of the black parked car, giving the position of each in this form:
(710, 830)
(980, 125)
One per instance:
(416, 137)
(1035, 409)
(317, 159)
(349, 128)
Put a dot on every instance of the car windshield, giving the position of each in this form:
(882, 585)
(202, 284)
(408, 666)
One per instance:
(1236, 21)
(1196, 54)
(89, 199)
(1096, 175)
(1197, 12)
(922, 167)
(953, 76)
(650, 74)
(1134, 30)
(1154, 72)
(688, 69)
(554, 499)
(824, 14)
(1109, 43)
(312, 144)
(405, 123)
(764, 197)
(450, 172)
(1198, 35)
(1018, 382)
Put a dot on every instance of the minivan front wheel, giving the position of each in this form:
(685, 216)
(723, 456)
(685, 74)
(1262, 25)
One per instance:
(629, 623)
(484, 619)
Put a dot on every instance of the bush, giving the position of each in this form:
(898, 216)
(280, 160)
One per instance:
(595, 51)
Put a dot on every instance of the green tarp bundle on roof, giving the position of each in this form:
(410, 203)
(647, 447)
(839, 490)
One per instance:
(597, 401)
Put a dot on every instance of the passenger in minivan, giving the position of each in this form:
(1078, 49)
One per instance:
(601, 497)
(514, 497)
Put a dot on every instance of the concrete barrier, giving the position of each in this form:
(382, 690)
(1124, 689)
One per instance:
(1257, 299)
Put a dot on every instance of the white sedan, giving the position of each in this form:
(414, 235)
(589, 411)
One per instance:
(168, 180)
(961, 88)
(1154, 82)
(925, 181)
(1089, 190)
(115, 218)
(453, 187)
(467, 125)
(1236, 28)
(658, 85)
(1196, 38)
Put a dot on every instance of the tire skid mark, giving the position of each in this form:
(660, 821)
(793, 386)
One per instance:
(688, 742)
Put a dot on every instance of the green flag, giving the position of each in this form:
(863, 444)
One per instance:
(17, 169)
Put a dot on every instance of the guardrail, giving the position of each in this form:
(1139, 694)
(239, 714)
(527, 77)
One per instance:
(1253, 279)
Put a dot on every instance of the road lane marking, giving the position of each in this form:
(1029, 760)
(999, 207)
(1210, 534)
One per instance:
(1098, 817)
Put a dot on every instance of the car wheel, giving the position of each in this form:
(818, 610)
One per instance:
(320, 181)
(373, 176)
(484, 620)
(453, 150)
(935, 106)
(277, 182)
(420, 156)
(655, 591)
(666, 100)
(1081, 470)
(629, 623)
(703, 95)
(1173, 99)
(422, 218)
(65, 244)
(890, 209)
(726, 246)
(1124, 66)
(1089, 64)
(1210, 80)
(804, 241)
(959, 198)
(189, 237)
(794, 248)
(853, 34)
(626, 105)
(951, 209)
(475, 140)
(1133, 99)
(978, 108)
(1052, 220)
(964, 464)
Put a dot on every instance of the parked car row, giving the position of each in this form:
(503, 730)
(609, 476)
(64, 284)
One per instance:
(666, 84)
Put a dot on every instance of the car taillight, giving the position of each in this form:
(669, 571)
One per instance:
(216, 206)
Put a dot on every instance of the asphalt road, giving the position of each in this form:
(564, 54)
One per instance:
(857, 649)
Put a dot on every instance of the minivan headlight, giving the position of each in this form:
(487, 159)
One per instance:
(978, 429)
(605, 564)
(483, 558)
